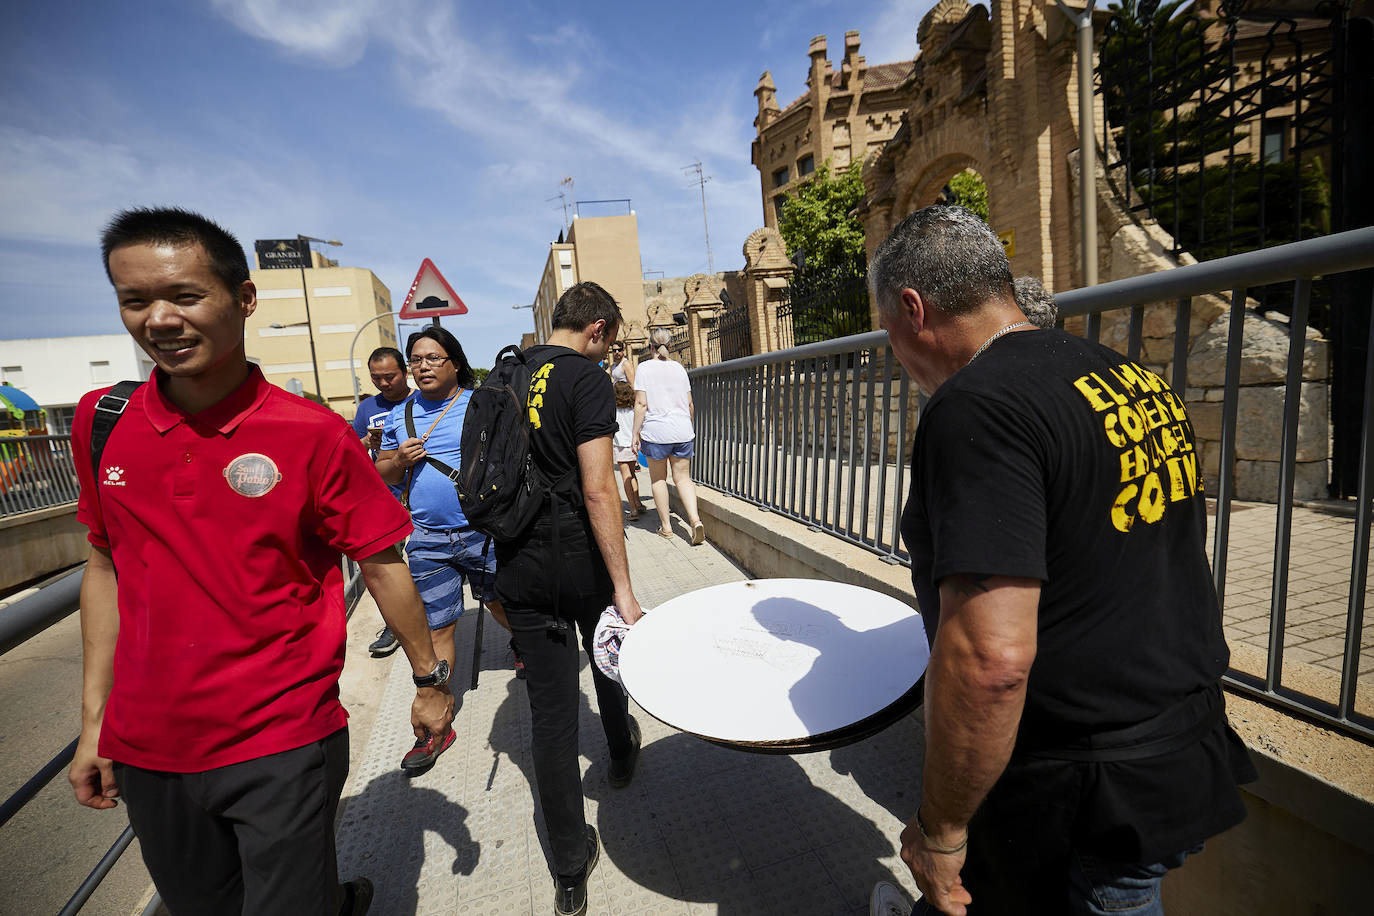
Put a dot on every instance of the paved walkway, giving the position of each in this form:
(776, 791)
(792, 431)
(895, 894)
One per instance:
(1318, 589)
(702, 829)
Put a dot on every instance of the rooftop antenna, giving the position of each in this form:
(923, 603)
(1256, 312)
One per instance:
(564, 196)
(561, 195)
(701, 180)
(572, 197)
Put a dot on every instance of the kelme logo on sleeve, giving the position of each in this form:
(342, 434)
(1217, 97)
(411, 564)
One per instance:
(252, 474)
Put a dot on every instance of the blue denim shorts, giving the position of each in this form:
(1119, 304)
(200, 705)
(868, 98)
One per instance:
(439, 562)
(657, 451)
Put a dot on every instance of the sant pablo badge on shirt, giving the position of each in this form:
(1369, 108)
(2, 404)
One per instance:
(252, 475)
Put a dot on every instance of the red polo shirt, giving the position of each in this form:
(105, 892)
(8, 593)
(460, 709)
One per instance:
(226, 528)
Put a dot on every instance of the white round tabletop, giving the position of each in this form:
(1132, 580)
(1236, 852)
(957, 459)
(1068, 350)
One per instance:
(786, 665)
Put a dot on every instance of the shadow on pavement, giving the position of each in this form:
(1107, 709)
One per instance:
(748, 833)
(383, 837)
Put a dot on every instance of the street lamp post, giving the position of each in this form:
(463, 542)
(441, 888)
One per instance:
(357, 394)
(1087, 149)
(303, 249)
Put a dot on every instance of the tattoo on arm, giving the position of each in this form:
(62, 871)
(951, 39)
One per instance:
(969, 585)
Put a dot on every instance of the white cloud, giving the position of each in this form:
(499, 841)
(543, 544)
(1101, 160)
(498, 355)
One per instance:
(489, 94)
(63, 190)
(332, 32)
(60, 189)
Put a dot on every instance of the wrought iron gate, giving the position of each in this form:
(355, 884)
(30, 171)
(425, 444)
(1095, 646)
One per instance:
(1238, 127)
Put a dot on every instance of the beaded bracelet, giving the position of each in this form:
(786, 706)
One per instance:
(940, 850)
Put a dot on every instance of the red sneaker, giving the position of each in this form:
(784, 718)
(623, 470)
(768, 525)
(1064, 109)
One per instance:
(427, 750)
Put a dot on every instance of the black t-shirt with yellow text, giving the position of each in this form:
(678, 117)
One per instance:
(1053, 458)
(570, 402)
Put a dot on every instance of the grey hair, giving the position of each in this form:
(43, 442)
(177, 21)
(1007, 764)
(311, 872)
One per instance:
(1035, 302)
(660, 338)
(948, 255)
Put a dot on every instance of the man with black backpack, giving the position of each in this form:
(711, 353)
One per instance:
(420, 446)
(557, 575)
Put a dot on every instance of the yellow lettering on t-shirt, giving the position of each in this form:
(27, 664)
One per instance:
(1146, 424)
(1176, 406)
(1114, 436)
(1131, 422)
(1152, 500)
(541, 384)
(1121, 520)
(1119, 398)
(1092, 393)
(1134, 463)
(534, 418)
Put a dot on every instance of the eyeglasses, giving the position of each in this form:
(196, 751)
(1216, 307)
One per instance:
(433, 362)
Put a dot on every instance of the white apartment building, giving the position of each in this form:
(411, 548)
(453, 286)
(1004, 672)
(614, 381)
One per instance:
(57, 371)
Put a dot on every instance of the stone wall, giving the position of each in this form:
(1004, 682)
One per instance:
(40, 543)
(1259, 422)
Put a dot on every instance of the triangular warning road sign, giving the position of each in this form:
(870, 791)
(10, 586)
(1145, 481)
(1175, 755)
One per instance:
(430, 295)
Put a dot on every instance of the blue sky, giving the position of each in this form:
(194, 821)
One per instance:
(405, 129)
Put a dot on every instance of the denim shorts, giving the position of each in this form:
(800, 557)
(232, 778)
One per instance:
(657, 451)
(439, 562)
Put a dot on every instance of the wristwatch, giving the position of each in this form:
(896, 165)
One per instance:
(436, 678)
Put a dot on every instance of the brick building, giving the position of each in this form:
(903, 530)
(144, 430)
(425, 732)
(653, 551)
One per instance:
(845, 114)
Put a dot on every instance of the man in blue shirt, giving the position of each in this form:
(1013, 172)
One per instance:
(444, 550)
(387, 367)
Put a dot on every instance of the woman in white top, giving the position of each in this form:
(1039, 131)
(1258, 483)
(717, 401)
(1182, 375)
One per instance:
(663, 427)
(625, 457)
(621, 364)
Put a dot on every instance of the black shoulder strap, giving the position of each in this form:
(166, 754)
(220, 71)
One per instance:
(108, 410)
(410, 418)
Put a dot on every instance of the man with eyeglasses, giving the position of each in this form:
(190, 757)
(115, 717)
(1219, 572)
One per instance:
(386, 366)
(443, 551)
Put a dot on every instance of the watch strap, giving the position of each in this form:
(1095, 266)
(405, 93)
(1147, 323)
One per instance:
(436, 678)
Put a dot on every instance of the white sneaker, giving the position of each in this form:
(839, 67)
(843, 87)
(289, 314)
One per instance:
(888, 900)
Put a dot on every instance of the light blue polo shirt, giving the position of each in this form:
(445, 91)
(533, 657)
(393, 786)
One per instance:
(433, 501)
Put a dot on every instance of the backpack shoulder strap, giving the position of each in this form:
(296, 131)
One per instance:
(108, 410)
(410, 418)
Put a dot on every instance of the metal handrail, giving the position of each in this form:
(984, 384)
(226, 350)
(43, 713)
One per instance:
(807, 432)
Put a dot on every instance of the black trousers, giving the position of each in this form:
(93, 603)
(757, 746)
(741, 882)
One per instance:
(549, 648)
(251, 838)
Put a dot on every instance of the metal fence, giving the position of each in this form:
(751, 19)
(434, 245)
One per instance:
(680, 344)
(36, 472)
(731, 337)
(819, 433)
(824, 305)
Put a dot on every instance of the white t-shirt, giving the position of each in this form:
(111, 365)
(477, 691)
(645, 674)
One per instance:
(625, 427)
(669, 393)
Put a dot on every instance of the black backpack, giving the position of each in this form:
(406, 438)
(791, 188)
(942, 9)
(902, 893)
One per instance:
(500, 487)
(108, 409)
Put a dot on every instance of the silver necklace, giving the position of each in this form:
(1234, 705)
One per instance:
(987, 343)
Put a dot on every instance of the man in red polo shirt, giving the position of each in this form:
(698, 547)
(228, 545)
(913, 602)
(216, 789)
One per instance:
(210, 699)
